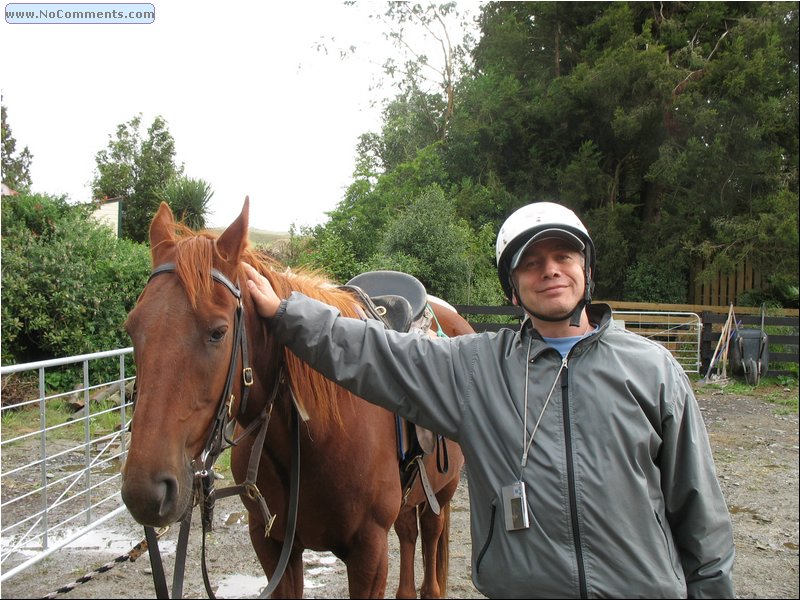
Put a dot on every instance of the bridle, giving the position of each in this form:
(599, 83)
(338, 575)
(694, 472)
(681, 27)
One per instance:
(221, 432)
(219, 439)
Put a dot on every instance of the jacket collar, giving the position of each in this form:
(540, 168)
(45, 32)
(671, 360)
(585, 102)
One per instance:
(599, 315)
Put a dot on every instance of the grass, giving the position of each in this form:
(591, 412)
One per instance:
(781, 391)
(62, 422)
(260, 236)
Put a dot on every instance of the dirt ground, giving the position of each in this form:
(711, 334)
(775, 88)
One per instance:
(755, 445)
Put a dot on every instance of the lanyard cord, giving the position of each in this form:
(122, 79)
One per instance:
(526, 443)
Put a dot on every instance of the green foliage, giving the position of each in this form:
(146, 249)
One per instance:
(411, 122)
(359, 221)
(16, 169)
(777, 293)
(137, 169)
(331, 254)
(673, 133)
(654, 277)
(482, 204)
(67, 282)
(427, 241)
(611, 228)
(189, 199)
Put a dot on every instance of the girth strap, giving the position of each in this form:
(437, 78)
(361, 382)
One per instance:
(417, 467)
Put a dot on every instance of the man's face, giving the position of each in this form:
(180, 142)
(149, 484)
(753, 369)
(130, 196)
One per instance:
(550, 279)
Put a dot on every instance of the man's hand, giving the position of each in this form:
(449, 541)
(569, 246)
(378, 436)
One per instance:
(264, 297)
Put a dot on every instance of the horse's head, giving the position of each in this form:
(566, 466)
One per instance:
(183, 329)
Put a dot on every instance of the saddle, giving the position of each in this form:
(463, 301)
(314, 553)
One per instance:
(400, 301)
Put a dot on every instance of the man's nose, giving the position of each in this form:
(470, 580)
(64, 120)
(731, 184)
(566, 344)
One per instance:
(551, 268)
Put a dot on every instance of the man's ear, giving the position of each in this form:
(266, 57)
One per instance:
(514, 300)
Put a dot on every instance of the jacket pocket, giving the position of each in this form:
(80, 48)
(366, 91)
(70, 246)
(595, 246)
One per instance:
(669, 544)
(488, 541)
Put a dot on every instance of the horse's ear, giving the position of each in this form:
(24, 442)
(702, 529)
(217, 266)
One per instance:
(232, 242)
(162, 232)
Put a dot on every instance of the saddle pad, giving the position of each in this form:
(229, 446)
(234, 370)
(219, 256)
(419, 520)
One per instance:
(394, 283)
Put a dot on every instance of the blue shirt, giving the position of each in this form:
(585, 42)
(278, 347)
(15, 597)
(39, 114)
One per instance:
(565, 344)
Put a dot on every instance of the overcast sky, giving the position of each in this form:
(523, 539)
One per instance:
(253, 107)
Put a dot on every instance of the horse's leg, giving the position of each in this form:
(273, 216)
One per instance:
(367, 561)
(267, 549)
(432, 527)
(406, 529)
(268, 552)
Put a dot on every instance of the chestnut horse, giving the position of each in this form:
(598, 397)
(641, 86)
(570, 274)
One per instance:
(186, 336)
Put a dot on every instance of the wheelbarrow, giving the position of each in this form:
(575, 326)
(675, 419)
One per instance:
(748, 352)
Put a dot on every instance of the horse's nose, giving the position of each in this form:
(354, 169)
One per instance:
(153, 503)
(167, 492)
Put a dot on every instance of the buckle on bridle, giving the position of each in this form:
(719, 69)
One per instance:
(247, 376)
(252, 491)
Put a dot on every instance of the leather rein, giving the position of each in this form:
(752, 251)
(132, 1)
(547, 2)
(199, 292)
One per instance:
(217, 442)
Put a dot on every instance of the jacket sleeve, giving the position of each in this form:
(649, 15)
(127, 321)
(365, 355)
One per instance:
(418, 377)
(696, 508)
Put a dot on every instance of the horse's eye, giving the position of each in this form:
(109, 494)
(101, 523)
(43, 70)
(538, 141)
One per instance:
(218, 334)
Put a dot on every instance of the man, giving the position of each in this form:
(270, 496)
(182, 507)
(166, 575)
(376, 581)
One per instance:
(590, 472)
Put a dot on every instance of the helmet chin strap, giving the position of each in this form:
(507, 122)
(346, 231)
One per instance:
(574, 317)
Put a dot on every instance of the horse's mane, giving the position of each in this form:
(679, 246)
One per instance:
(194, 259)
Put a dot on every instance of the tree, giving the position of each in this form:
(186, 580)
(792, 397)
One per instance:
(16, 169)
(671, 128)
(188, 198)
(684, 114)
(728, 173)
(136, 169)
(414, 29)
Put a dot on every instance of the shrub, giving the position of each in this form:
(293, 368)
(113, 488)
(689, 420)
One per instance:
(656, 278)
(67, 281)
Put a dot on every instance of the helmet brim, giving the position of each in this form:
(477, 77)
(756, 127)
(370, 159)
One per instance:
(546, 234)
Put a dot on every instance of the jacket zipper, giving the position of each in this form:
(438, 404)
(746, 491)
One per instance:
(573, 505)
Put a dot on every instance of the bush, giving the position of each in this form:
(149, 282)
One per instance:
(656, 278)
(436, 254)
(67, 281)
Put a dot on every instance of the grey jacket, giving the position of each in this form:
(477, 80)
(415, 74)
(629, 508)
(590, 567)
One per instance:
(622, 494)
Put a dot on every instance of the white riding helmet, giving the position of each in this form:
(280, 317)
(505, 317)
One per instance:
(534, 223)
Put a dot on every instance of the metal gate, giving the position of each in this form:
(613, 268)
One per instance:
(61, 479)
(678, 332)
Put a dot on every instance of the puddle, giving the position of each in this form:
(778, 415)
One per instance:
(317, 565)
(98, 539)
(240, 586)
(235, 518)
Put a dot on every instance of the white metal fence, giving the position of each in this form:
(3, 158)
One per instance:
(60, 477)
(679, 332)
